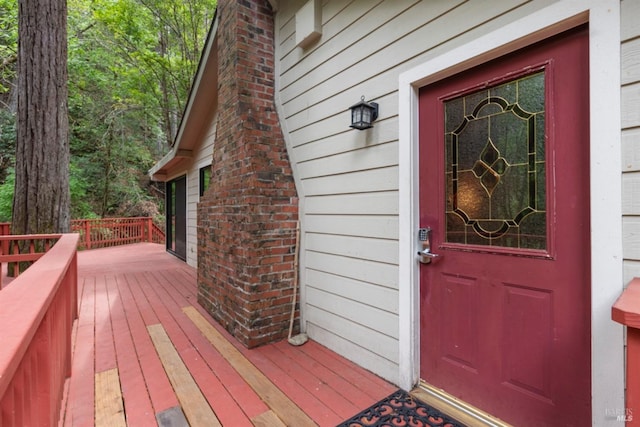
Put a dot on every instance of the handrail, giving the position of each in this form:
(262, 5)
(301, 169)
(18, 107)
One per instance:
(106, 232)
(36, 316)
(157, 234)
(21, 251)
(626, 311)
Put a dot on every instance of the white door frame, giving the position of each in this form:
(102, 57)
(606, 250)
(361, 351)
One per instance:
(603, 17)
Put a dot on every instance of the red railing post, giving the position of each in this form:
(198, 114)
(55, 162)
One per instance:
(5, 230)
(149, 230)
(632, 400)
(626, 311)
(87, 234)
(38, 309)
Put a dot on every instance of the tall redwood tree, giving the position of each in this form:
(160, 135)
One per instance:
(41, 201)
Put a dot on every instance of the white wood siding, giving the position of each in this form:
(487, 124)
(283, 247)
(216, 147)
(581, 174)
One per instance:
(203, 156)
(630, 94)
(348, 180)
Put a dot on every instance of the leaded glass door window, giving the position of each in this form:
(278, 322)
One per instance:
(495, 164)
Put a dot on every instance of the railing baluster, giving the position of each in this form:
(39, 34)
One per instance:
(87, 234)
(16, 265)
(100, 233)
(32, 374)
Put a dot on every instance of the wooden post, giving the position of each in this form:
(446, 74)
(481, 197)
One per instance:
(632, 409)
(626, 311)
(149, 230)
(5, 230)
(87, 234)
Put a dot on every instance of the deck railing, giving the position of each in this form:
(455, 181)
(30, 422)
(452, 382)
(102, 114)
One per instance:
(626, 311)
(20, 252)
(107, 232)
(37, 311)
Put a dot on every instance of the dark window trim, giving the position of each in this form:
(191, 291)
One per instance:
(204, 181)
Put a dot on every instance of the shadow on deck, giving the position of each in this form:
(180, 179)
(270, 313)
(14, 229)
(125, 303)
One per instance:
(145, 353)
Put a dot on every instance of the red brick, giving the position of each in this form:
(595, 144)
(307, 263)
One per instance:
(247, 220)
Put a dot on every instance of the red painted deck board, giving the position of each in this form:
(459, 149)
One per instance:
(125, 289)
(351, 394)
(105, 350)
(323, 391)
(155, 378)
(233, 382)
(306, 397)
(139, 410)
(224, 406)
(80, 399)
(367, 383)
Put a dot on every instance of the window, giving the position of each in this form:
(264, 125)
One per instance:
(495, 165)
(205, 179)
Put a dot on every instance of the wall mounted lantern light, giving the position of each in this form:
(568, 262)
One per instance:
(363, 114)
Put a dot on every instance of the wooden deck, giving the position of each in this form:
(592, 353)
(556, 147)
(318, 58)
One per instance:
(147, 354)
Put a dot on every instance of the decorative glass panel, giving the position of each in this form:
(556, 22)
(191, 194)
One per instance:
(495, 166)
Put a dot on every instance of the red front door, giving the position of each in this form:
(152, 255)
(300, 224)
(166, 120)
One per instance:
(504, 187)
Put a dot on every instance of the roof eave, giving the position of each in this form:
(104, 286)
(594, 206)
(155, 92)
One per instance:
(184, 141)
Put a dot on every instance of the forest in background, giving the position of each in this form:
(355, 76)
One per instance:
(131, 65)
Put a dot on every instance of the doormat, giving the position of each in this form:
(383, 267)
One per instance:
(401, 409)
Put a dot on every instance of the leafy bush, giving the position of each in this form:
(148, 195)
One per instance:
(6, 196)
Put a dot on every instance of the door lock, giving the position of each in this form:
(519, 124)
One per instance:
(424, 242)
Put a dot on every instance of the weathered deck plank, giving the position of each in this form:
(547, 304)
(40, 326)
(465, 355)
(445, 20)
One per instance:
(135, 393)
(109, 408)
(227, 408)
(158, 384)
(192, 401)
(277, 401)
(124, 290)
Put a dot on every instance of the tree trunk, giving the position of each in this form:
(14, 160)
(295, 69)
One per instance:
(165, 102)
(41, 201)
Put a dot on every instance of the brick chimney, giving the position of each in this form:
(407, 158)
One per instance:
(247, 218)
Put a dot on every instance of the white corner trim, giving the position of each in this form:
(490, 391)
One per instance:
(409, 277)
(605, 166)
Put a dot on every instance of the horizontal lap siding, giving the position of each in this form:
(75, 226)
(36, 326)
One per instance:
(630, 98)
(193, 195)
(202, 156)
(348, 180)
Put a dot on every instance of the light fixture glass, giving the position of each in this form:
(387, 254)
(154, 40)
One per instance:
(363, 114)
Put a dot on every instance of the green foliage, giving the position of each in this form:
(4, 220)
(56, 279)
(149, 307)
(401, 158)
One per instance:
(131, 63)
(144, 53)
(7, 142)
(78, 187)
(8, 45)
(6, 197)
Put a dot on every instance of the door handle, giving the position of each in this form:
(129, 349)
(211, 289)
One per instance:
(426, 253)
(424, 239)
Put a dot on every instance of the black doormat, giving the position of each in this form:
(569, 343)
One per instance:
(401, 409)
